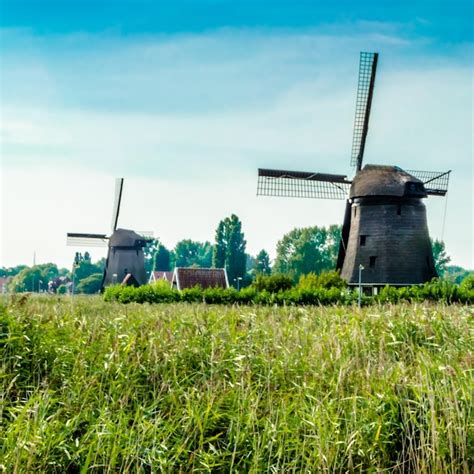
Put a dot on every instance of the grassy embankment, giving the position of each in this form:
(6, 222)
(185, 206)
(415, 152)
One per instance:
(109, 387)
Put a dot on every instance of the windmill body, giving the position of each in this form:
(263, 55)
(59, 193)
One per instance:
(388, 230)
(385, 230)
(125, 256)
(125, 249)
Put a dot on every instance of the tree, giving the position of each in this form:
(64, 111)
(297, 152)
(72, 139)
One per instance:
(262, 263)
(306, 250)
(90, 284)
(219, 253)
(83, 266)
(229, 249)
(162, 259)
(250, 263)
(34, 278)
(189, 253)
(12, 271)
(149, 252)
(441, 258)
(456, 274)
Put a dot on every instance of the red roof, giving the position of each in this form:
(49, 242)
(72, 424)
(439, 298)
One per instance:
(204, 277)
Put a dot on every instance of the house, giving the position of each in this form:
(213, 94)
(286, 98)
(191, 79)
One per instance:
(204, 277)
(158, 275)
(55, 283)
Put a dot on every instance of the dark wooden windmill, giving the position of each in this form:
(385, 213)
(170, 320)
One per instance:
(385, 228)
(125, 259)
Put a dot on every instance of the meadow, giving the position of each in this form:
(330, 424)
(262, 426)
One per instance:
(95, 386)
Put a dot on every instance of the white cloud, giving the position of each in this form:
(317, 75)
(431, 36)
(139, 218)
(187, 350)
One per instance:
(188, 119)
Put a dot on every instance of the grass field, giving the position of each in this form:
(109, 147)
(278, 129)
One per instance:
(94, 386)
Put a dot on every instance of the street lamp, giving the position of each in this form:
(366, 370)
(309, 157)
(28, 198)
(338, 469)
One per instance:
(361, 267)
(39, 286)
(238, 280)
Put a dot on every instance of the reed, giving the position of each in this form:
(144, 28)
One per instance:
(94, 386)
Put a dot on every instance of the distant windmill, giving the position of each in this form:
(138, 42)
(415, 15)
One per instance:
(385, 228)
(125, 256)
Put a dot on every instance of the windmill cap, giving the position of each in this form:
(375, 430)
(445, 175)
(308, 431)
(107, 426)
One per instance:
(126, 238)
(379, 180)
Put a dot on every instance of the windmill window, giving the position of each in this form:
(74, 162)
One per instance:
(363, 240)
(372, 260)
(355, 211)
(399, 210)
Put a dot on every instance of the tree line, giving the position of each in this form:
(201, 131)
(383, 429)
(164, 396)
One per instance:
(302, 251)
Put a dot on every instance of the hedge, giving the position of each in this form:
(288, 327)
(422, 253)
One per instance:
(437, 290)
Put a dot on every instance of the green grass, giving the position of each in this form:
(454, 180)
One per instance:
(94, 386)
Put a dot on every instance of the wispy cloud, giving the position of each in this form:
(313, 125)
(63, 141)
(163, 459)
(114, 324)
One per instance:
(195, 112)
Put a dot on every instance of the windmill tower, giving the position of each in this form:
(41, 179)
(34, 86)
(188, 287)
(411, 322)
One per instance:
(385, 227)
(125, 254)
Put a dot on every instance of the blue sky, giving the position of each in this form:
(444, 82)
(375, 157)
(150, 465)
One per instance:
(445, 21)
(186, 99)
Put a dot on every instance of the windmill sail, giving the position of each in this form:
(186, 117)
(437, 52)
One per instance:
(117, 201)
(365, 90)
(87, 240)
(436, 182)
(147, 234)
(302, 184)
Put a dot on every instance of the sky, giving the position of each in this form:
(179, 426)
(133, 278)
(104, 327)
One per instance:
(186, 99)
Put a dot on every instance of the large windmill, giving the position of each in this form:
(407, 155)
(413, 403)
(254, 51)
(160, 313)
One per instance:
(385, 228)
(125, 254)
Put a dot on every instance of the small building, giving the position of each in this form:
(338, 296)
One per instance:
(159, 275)
(55, 283)
(204, 277)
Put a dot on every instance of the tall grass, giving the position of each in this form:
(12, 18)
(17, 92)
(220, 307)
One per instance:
(103, 387)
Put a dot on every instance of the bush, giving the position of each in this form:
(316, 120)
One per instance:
(437, 290)
(330, 279)
(272, 283)
(468, 283)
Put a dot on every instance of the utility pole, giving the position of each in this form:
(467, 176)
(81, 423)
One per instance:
(361, 267)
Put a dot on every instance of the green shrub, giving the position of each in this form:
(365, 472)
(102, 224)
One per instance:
(272, 283)
(330, 279)
(436, 291)
(192, 295)
(220, 295)
(468, 283)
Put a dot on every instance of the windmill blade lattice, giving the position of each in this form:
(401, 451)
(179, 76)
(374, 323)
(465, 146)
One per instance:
(365, 89)
(302, 184)
(117, 201)
(87, 240)
(436, 182)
